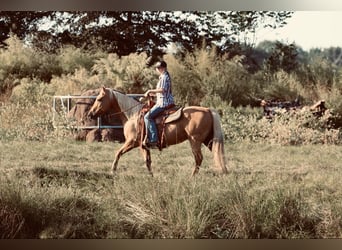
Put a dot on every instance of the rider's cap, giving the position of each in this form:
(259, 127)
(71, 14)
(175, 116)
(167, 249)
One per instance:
(161, 64)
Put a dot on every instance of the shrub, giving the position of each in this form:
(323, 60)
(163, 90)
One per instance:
(128, 73)
(333, 100)
(241, 124)
(230, 81)
(28, 114)
(283, 86)
(203, 73)
(186, 84)
(20, 61)
(71, 58)
(76, 83)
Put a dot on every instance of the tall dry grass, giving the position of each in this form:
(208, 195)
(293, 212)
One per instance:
(270, 192)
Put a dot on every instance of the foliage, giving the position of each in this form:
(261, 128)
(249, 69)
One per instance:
(293, 128)
(124, 32)
(318, 71)
(20, 23)
(76, 83)
(71, 58)
(283, 57)
(129, 73)
(200, 78)
(191, 76)
(203, 74)
(20, 61)
(283, 86)
(27, 116)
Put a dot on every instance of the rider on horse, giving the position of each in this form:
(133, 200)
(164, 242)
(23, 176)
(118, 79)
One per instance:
(164, 100)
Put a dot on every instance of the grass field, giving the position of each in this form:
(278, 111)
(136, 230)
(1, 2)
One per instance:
(63, 189)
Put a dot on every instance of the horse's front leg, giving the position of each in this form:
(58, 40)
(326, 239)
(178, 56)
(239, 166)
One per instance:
(129, 145)
(147, 156)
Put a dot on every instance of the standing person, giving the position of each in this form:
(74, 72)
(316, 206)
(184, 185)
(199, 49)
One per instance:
(164, 100)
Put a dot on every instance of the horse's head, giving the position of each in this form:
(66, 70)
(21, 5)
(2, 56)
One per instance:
(101, 105)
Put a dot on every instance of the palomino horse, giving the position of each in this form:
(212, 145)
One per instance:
(197, 124)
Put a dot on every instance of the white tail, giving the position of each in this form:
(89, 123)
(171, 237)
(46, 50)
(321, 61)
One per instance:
(218, 142)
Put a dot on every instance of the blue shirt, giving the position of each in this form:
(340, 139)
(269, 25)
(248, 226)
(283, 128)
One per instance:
(165, 98)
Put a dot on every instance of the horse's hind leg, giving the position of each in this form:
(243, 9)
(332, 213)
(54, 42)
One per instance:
(147, 156)
(129, 145)
(197, 152)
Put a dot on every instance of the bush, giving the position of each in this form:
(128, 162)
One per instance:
(71, 59)
(203, 73)
(284, 87)
(127, 73)
(76, 83)
(248, 124)
(19, 61)
(28, 113)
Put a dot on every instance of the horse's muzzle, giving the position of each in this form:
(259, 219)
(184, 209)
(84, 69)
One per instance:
(91, 115)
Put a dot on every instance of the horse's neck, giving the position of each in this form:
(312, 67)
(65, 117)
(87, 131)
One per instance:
(128, 106)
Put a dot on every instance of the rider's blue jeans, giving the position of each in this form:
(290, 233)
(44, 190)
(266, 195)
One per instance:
(150, 124)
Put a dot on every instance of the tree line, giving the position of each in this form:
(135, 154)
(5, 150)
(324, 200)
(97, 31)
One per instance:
(41, 45)
(125, 32)
(151, 32)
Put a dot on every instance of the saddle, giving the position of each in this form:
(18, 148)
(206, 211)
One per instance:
(170, 114)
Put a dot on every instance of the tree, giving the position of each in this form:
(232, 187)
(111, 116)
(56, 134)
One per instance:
(124, 32)
(282, 57)
(20, 23)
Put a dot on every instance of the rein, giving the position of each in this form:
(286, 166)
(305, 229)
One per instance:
(112, 92)
(121, 112)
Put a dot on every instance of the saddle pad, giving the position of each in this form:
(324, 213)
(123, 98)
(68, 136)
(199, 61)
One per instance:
(174, 116)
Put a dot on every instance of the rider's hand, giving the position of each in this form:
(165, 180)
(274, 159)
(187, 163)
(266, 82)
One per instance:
(147, 93)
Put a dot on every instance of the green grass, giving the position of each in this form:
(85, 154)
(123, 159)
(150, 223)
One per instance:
(63, 189)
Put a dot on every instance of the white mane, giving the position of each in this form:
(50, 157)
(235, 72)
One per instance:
(129, 106)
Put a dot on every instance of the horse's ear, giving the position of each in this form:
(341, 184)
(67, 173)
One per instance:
(103, 91)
